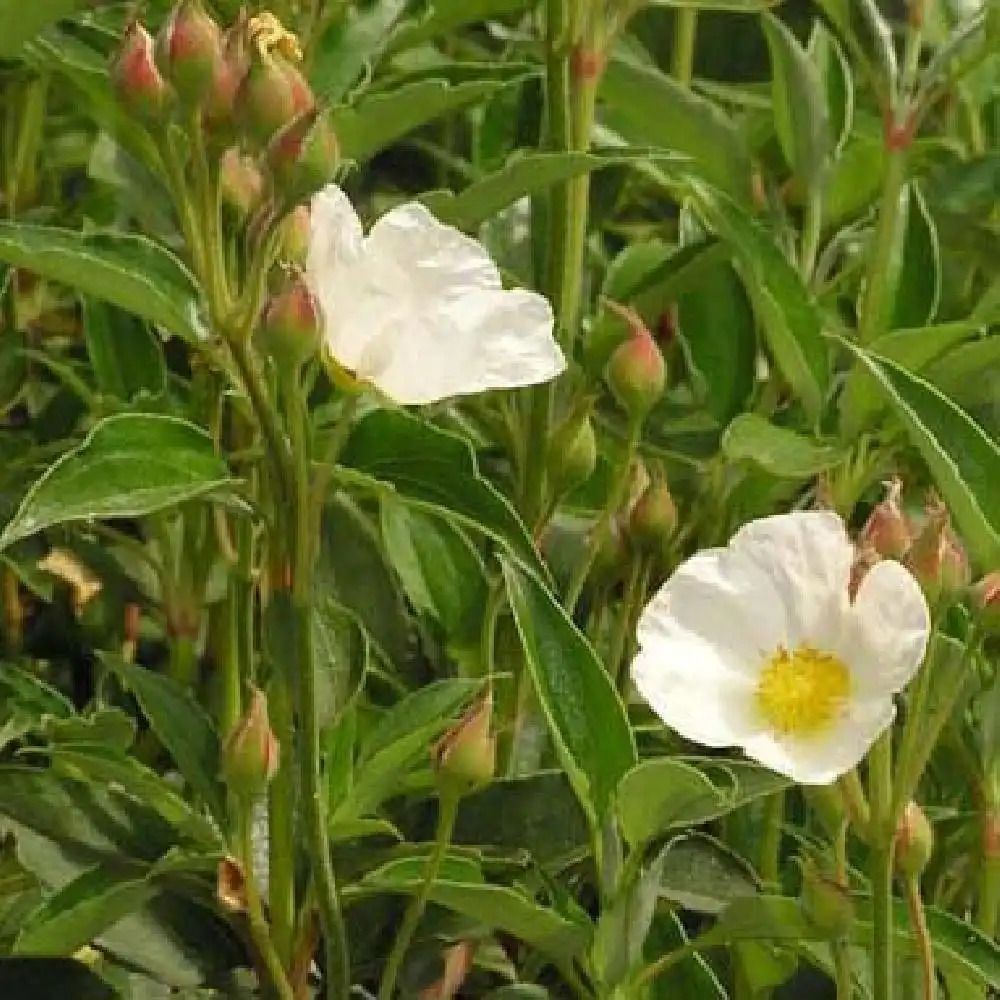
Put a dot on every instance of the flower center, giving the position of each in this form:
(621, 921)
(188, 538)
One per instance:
(800, 692)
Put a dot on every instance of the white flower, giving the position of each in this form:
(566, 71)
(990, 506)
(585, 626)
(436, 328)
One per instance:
(418, 308)
(759, 645)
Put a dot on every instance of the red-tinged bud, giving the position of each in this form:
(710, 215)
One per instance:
(914, 841)
(230, 70)
(241, 182)
(291, 328)
(986, 599)
(303, 157)
(273, 93)
(888, 531)
(250, 756)
(295, 231)
(572, 454)
(465, 757)
(653, 521)
(636, 372)
(189, 51)
(936, 557)
(137, 80)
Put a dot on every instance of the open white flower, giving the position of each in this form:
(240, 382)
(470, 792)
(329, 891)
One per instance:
(418, 308)
(759, 645)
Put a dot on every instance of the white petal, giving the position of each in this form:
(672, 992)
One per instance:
(695, 693)
(336, 239)
(724, 599)
(439, 260)
(807, 556)
(887, 630)
(822, 759)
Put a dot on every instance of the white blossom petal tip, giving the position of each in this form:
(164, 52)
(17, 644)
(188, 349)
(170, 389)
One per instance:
(418, 308)
(759, 646)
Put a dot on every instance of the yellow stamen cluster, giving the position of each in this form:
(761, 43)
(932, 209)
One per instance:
(801, 691)
(268, 33)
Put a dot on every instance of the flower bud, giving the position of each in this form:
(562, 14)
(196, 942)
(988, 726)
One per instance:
(137, 80)
(295, 231)
(914, 841)
(986, 599)
(653, 521)
(636, 372)
(250, 756)
(465, 757)
(240, 181)
(825, 902)
(273, 93)
(188, 52)
(230, 70)
(291, 327)
(572, 454)
(888, 530)
(936, 557)
(303, 157)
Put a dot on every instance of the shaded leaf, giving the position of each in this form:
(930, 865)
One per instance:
(22, 21)
(781, 451)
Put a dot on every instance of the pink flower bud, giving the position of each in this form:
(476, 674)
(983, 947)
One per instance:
(189, 51)
(291, 327)
(303, 157)
(241, 182)
(914, 841)
(230, 70)
(295, 231)
(888, 530)
(273, 93)
(250, 756)
(137, 80)
(465, 757)
(936, 557)
(636, 372)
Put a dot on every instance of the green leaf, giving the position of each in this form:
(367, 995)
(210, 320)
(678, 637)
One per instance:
(494, 906)
(129, 271)
(736, 6)
(692, 977)
(787, 313)
(861, 400)
(586, 717)
(444, 16)
(378, 120)
(129, 465)
(968, 373)
(798, 104)
(778, 450)
(22, 21)
(442, 573)
(24, 976)
(523, 174)
(716, 327)
(962, 458)
(836, 81)
(124, 353)
(649, 108)
(82, 910)
(182, 726)
(918, 279)
(356, 40)
(437, 472)
(703, 875)
(662, 794)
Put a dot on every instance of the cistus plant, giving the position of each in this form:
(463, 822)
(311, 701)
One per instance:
(499, 500)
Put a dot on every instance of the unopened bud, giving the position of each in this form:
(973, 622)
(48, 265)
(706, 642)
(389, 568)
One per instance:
(188, 52)
(465, 757)
(137, 80)
(273, 93)
(303, 157)
(936, 557)
(250, 756)
(825, 901)
(986, 598)
(230, 70)
(888, 530)
(653, 521)
(240, 181)
(291, 327)
(914, 840)
(636, 372)
(611, 557)
(295, 231)
(572, 454)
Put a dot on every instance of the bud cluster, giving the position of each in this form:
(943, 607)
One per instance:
(241, 89)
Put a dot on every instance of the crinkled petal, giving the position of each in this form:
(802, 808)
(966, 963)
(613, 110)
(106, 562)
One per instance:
(821, 759)
(724, 599)
(887, 630)
(441, 262)
(336, 241)
(807, 556)
(694, 691)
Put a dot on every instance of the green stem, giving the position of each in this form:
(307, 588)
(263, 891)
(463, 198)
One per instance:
(812, 227)
(281, 823)
(447, 811)
(882, 950)
(635, 591)
(685, 36)
(183, 665)
(769, 855)
(259, 930)
(925, 946)
(988, 897)
(843, 970)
